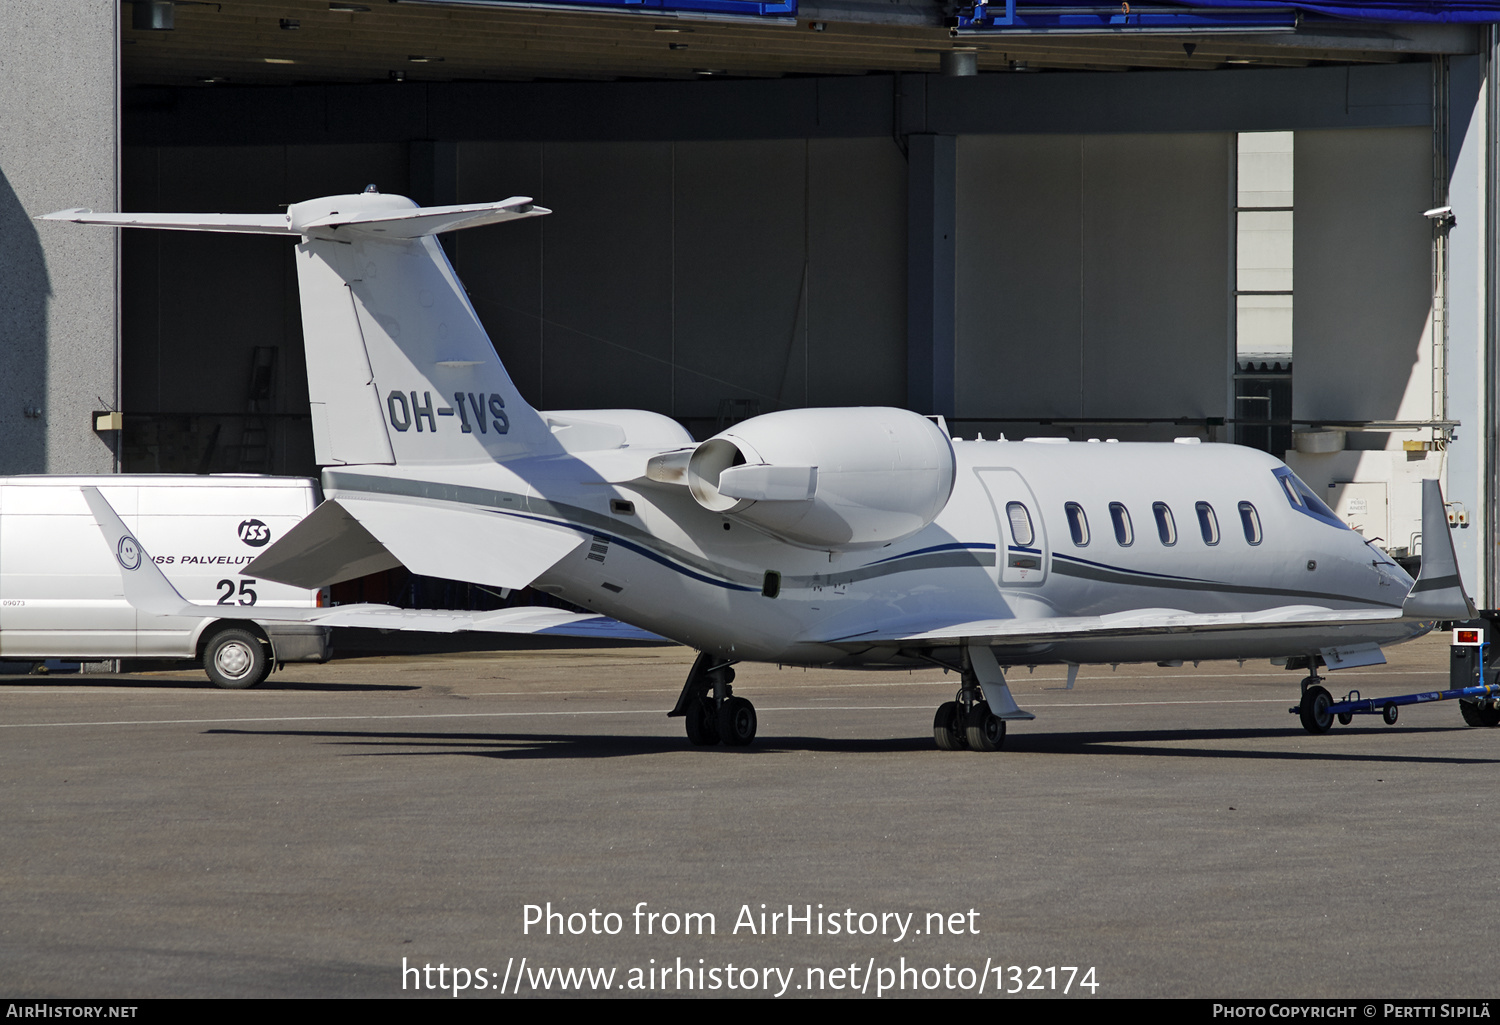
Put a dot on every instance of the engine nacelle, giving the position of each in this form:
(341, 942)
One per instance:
(827, 478)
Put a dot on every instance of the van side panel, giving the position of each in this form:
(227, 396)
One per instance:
(61, 594)
(202, 537)
(60, 588)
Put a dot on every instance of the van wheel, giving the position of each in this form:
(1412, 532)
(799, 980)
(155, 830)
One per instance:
(235, 659)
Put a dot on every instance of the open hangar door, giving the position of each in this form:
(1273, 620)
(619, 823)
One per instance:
(749, 246)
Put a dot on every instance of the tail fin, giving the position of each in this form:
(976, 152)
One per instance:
(399, 368)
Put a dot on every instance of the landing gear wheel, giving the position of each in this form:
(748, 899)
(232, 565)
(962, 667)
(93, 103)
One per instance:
(235, 659)
(983, 729)
(947, 731)
(702, 722)
(1315, 715)
(1476, 714)
(737, 722)
(1389, 713)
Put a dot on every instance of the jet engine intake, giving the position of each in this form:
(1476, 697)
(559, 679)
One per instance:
(832, 479)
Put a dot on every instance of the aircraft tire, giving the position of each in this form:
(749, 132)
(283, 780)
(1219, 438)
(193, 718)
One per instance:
(1476, 714)
(702, 722)
(983, 729)
(1314, 710)
(235, 659)
(737, 722)
(946, 729)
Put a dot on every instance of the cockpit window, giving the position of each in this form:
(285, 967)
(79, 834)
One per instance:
(1078, 524)
(1305, 500)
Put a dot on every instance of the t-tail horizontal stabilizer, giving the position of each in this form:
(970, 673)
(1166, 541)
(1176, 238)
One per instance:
(400, 369)
(324, 223)
(1439, 590)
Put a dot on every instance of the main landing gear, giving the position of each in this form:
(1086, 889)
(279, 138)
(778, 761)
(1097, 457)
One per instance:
(968, 722)
(709, 709)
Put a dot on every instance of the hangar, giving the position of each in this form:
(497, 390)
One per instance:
(1259, 223)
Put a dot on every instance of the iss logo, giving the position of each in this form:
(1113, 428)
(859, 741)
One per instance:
(254, 533)
(128, 552)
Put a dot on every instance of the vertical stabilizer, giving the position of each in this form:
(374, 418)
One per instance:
(397, 358)
(399, 368)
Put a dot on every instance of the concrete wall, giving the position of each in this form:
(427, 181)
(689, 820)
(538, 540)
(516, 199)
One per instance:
(59, 148)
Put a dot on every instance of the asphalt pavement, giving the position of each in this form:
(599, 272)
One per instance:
(507, 823)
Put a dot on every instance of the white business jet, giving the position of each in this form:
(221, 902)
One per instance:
(856, 538)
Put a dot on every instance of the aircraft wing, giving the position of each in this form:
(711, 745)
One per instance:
(537, 622)
(148, 589)
(1136, 623)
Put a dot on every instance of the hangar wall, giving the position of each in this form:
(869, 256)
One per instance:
(722, 248)
(59, 147)
(682, 276)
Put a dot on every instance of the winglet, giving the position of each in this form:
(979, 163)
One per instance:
(146, 587)
(1439, 591)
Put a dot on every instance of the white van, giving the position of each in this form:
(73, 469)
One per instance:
(61, 596)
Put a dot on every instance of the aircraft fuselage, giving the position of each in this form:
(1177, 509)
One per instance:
(1032, 530)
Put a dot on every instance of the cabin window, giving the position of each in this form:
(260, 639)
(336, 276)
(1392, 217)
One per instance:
(1020, 524)
(1120, 517)
(1250, 520)
(1078, 524)
(1166, 526)
(1208, 523)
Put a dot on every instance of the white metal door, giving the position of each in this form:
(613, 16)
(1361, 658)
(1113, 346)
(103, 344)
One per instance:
(1021, 539)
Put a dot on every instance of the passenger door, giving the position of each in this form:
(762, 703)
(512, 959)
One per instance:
(1021, 552)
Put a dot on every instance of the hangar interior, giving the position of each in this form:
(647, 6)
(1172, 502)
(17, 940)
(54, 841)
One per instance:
(1119, 234)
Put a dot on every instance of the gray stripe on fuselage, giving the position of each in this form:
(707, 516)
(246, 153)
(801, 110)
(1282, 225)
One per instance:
(1089, 571)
